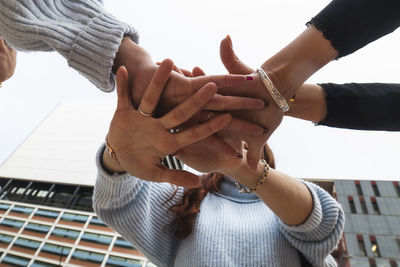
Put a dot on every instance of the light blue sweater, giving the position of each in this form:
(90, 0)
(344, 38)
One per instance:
(82, 31)
(232, 229)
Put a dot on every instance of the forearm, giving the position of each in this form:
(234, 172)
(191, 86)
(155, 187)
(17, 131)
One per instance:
(287, 197)
(81, 31)
(294, 64)
(309, 103)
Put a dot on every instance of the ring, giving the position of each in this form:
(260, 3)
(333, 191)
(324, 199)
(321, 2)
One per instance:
(144, 113)
(210, 116)
(175, 130)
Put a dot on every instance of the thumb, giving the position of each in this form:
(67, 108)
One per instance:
(231, 62)
(177, 177)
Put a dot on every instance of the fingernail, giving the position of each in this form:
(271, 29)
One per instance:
(265, 131)
(249, 78)
(230, 40)
(239, 155)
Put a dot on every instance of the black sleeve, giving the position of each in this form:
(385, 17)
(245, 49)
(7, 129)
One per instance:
(352, 24)
(363, 106)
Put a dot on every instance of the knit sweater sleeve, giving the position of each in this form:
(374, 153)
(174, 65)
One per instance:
(321, 232)
(138, 211)
(82, 31)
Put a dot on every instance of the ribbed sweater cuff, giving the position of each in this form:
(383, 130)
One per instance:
(113, 190)
(313, 220)
(95, 48)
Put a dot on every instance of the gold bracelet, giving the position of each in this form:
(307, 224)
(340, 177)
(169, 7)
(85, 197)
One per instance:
(111, 151)
(246, 190)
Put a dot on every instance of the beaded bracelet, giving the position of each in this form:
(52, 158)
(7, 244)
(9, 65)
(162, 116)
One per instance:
(246, 190)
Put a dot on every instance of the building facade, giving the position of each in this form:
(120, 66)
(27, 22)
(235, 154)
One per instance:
(43, 224)
(372, 228)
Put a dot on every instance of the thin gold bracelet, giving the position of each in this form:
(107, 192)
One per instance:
(246, 190)
(111, 151)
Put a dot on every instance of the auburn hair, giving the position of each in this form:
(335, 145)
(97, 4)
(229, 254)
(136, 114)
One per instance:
(186, 210)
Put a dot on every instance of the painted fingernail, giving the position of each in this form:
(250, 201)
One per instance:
(239, 155)
(230, 40)
(249, 78)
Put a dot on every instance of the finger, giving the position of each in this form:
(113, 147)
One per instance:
(197, 71)
(253, 155)
(177, 177)
(189, 107)
(3, 45)
(220, 80)
(123, 92)
(178, 70)
(221, 102)
(221, 146)
(201, 131)
(231, 62)
(153, 92)
(187, 73)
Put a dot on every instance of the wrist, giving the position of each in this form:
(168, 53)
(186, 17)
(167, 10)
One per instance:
(111, 165)
(246, 175)
(294, 64)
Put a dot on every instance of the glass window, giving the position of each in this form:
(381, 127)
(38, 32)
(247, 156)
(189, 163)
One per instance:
(361, 246)
(358, 187)
(150, 264)
(43, 264)
(122, 262)
(363, 206)
(12, 223)
(352, 206)
(375, 249)
(15, 260)
(6, 239)
(55, 249)
(70, 217)
(375, 188)
(66, 233)
(96, 238)
(47, 213)
(375, 206)
(21, 209)
(23, 242)
(122, 243)
(4, 207)
(97, 221)
(40, 228)
(84, 255)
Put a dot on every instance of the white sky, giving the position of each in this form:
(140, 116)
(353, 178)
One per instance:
(189, 32)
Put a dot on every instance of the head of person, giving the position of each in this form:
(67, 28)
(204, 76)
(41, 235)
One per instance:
(186, 210)
(8, 61)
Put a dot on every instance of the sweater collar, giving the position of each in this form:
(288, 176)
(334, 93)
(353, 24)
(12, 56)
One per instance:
(229, 191)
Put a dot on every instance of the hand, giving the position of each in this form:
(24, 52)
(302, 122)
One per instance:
(141, 142)
(8, 61)
(178, 88)
(269, 117)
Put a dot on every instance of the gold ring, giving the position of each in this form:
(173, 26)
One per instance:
(144, 113)
(210, 116)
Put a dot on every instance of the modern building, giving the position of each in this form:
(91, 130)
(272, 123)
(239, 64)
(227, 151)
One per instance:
(46, 187)
(372, 229)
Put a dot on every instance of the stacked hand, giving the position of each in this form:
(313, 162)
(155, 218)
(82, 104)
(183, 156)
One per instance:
(141, 142)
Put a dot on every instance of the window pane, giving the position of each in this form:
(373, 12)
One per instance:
(12, 223)
(55, 249)
(43, 264)
(122, 262)
(21, 209)
(96, 238)
(84, 255)
(97, 221)
(41, 228)
(61, 232)
(120, 242)
(22, 242)
(47, 213)
(15, 260)
(74, 217)
(4, 207)
(6, 239)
